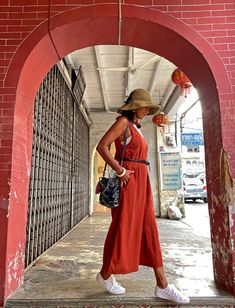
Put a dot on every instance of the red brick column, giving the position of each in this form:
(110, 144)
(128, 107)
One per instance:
(197, 35)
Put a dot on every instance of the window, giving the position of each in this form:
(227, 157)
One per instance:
(193, 149)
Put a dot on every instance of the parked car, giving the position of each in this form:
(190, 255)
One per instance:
(202, 177)
(194, 189)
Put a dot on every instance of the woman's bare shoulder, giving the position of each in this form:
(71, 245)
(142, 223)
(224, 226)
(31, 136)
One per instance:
(122, 121)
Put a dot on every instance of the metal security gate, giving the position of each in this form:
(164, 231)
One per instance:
(59, 188)
(80, 196)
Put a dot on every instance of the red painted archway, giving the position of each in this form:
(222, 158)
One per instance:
(142, 28)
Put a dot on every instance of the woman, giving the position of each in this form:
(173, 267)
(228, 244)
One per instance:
(132, 239)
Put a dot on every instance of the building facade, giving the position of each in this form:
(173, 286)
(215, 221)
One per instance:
(198, 36)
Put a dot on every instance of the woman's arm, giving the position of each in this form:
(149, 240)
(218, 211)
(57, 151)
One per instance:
(117, 130)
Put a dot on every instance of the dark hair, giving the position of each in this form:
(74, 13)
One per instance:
(129, 114)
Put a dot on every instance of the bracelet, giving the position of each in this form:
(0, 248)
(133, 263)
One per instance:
(122, 174)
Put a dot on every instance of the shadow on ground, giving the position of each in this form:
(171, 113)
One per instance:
(64, 276)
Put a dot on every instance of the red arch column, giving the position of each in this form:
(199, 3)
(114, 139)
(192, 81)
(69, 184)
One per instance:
(143, 28)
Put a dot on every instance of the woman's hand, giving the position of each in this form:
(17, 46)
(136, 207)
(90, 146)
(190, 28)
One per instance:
(124, 179)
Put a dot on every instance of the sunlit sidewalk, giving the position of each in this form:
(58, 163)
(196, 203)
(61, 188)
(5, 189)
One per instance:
(64, 276)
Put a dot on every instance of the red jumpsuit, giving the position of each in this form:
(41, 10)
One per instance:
(132, 239)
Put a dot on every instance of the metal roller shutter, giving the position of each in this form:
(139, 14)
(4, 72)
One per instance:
(59, 188)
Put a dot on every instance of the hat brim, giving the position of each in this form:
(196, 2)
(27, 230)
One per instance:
(140, 104)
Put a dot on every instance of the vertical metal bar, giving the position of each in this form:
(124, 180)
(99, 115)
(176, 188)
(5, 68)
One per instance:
(32, 183)
(72, 166)
(52, 101)
(37, 170)
(59, 220)
(56, 127)
(40, 191)
(56, 102)
(39, 208)
(46, 173)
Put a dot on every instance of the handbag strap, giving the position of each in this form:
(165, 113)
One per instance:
(123, 149)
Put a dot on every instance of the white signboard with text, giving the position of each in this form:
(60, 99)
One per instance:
(170, 164)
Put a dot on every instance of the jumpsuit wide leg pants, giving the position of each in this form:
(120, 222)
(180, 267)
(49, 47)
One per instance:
(133, 239)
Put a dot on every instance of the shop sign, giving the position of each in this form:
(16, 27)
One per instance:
(170, 170)
(192, 139)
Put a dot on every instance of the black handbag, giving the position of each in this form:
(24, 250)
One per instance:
(109, 187)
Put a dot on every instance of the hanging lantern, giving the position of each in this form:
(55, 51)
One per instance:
(179, 78)
(160, 119)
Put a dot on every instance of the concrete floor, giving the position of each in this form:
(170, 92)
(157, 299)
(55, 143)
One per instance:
(64, 276)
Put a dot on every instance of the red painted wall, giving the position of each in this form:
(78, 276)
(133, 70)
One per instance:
(197, 35)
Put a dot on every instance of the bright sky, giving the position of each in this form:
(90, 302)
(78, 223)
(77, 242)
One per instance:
(193, 116)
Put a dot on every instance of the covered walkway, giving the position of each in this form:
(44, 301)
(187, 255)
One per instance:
(35, 36)
(64, 276)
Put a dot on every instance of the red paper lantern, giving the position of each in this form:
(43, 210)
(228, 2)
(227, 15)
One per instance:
(179, 78)
(160, 119)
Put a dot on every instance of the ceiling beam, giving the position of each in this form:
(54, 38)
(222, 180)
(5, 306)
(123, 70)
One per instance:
(102, 83)
(171, 87)
(113, 69)
(131, 59)
(131, 68)
(156, 75)
(100, 110)
(173, 102)
(152, 59)
(70, 60)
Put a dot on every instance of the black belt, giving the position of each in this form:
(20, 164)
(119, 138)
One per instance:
(137, 160)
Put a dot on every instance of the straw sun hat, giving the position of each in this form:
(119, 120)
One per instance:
(137, 99)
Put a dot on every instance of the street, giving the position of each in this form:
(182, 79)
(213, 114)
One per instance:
(197, 217)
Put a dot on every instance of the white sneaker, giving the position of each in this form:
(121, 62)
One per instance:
(111, 285)
(172, 293)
